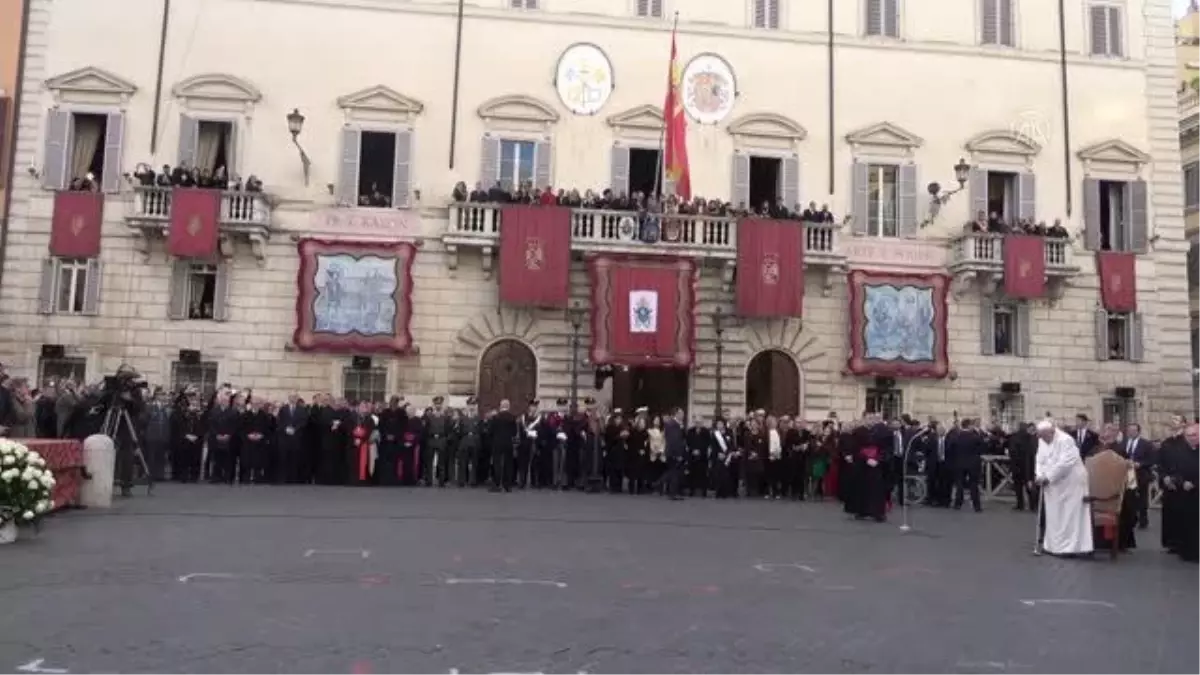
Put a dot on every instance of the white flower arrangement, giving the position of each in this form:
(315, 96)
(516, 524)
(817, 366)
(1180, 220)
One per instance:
(25, 484)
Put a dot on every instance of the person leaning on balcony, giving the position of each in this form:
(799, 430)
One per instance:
(163, 179)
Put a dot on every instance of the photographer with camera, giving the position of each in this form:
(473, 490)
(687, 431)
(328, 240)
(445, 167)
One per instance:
(122, 399)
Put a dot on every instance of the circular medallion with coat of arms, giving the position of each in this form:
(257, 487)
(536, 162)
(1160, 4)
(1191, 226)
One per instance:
(584, 79)
(709, 89)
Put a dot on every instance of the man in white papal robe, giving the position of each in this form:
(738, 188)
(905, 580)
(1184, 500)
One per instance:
(1060, 472)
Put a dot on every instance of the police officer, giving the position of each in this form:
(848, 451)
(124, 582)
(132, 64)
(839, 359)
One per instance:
(529, 423)
(469, 435)
(438, 447)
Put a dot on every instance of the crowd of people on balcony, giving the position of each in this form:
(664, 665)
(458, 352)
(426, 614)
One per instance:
(994, 223)
(640, 202)
(191, 177)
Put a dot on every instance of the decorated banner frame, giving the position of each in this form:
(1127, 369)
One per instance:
(898, 324)
(583, 98)
(602, 351)
(382, 323)
(703, 103)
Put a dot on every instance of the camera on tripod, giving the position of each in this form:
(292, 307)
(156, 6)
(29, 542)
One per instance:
(126, 387)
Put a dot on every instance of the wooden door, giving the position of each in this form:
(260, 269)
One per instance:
(508, 370)
(773, 383)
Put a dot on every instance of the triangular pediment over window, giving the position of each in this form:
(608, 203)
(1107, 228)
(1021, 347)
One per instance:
(91, 80)
(518, 108)
(884, 134)
(768, 125)
(217, 87)
(1003, 142)
(382, 99)
(1114, 150)
(645, 117)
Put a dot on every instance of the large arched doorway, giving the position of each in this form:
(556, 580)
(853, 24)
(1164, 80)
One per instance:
(773, 383)
(507, 370)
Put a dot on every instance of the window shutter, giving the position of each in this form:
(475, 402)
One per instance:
(347, 189)
(874, 17)
(656, 8)
(906, 193)
(402, 178)
(543, 155)
(891, 18)
(860, 197)
(47, 286)
(772, 13)
(1021, 336)
(59, 124)
(221, 309)
(789, 181)
(1135, 324)
(489, 162)
(1136, 221)
(987, 326)
(1026, 196)
(177, 302)
(189, 137)
(740, 193)
(231, 151)
(1101, 327)
(531, 4)
(1091, 214)
(1116, 46)
(91, 287)
(1099, 24)
(643, 7)
(760, 13)
(1006, 23)
(988, 15)
(114, 142)
(977, 189)
(517, 4)
(618, 169)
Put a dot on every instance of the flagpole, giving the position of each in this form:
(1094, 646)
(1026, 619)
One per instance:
(662, 133)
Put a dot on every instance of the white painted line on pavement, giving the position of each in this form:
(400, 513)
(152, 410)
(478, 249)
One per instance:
(1068, 601)
(835, 588)
(206, 575)
(35, 666)
(360, 552)
(506, 582)
(770, 567)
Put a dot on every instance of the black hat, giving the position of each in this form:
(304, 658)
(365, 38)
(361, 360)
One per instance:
(438, 400)
(534, 401)
(471, 400)
(562, 401)
(589, 401)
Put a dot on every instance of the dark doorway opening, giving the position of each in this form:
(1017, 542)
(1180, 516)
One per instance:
(773, 383)
(643, 170)
(659, 389)
(764, 181)
(93, 128)
(376, 168)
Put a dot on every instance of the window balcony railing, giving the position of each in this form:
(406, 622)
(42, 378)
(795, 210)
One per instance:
(980, 255)
(242, 213)
(618, 231)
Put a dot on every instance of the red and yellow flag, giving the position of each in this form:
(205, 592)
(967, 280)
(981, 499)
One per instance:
(675, 156)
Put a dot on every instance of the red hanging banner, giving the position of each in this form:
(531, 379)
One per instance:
(770, 267)
(1024, 266)
(643, 311)
(195, 223)
(535, 255)
(1118, 280)
(76, 225)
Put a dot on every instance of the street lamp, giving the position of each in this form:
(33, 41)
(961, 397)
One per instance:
(719, 325)
(575, 315)
(295, 123)
(938, 197)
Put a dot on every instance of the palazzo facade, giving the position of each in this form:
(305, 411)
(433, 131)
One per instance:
(568, 96)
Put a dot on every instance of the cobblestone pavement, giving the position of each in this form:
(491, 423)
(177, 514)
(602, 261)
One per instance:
(312, 579)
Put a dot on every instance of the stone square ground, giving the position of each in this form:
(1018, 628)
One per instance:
(314, 579)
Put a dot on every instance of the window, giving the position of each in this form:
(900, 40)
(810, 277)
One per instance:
(1004, 328)
(65, 368)
(886, 402)
(1119, 336)
(1191, 186)
(997, 19)
(1106, 30)
(882, 200)
(1122, 411)
(766, 13)
(643, 171)
(87, 149)
(1118, 332)
(650, 8)
(72, 286)
(516, 163)
(201, 291)
(523, 4)
(214, 145)
(1002, 195)
(765, 182)
(376, 168)
(202, 376)
(883, 18)
(1005, 320)
(1113, 227)
(1007, 410)
(1195, 348)
(365, 384)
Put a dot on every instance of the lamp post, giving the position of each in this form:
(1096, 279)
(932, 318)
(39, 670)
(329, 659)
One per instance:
(939, 197)
(295, 123)
(575, 316)
(719, 327)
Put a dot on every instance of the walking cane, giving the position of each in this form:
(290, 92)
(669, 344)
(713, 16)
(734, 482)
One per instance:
(904, 526)
(1037, 526)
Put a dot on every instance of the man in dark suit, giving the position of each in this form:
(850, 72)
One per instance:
(1085, 438)
(967, 452)
(1141, 452)
(290, 461)
(677, 453)
(1022, 450)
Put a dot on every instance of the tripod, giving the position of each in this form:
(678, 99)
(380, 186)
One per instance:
(116, 419)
